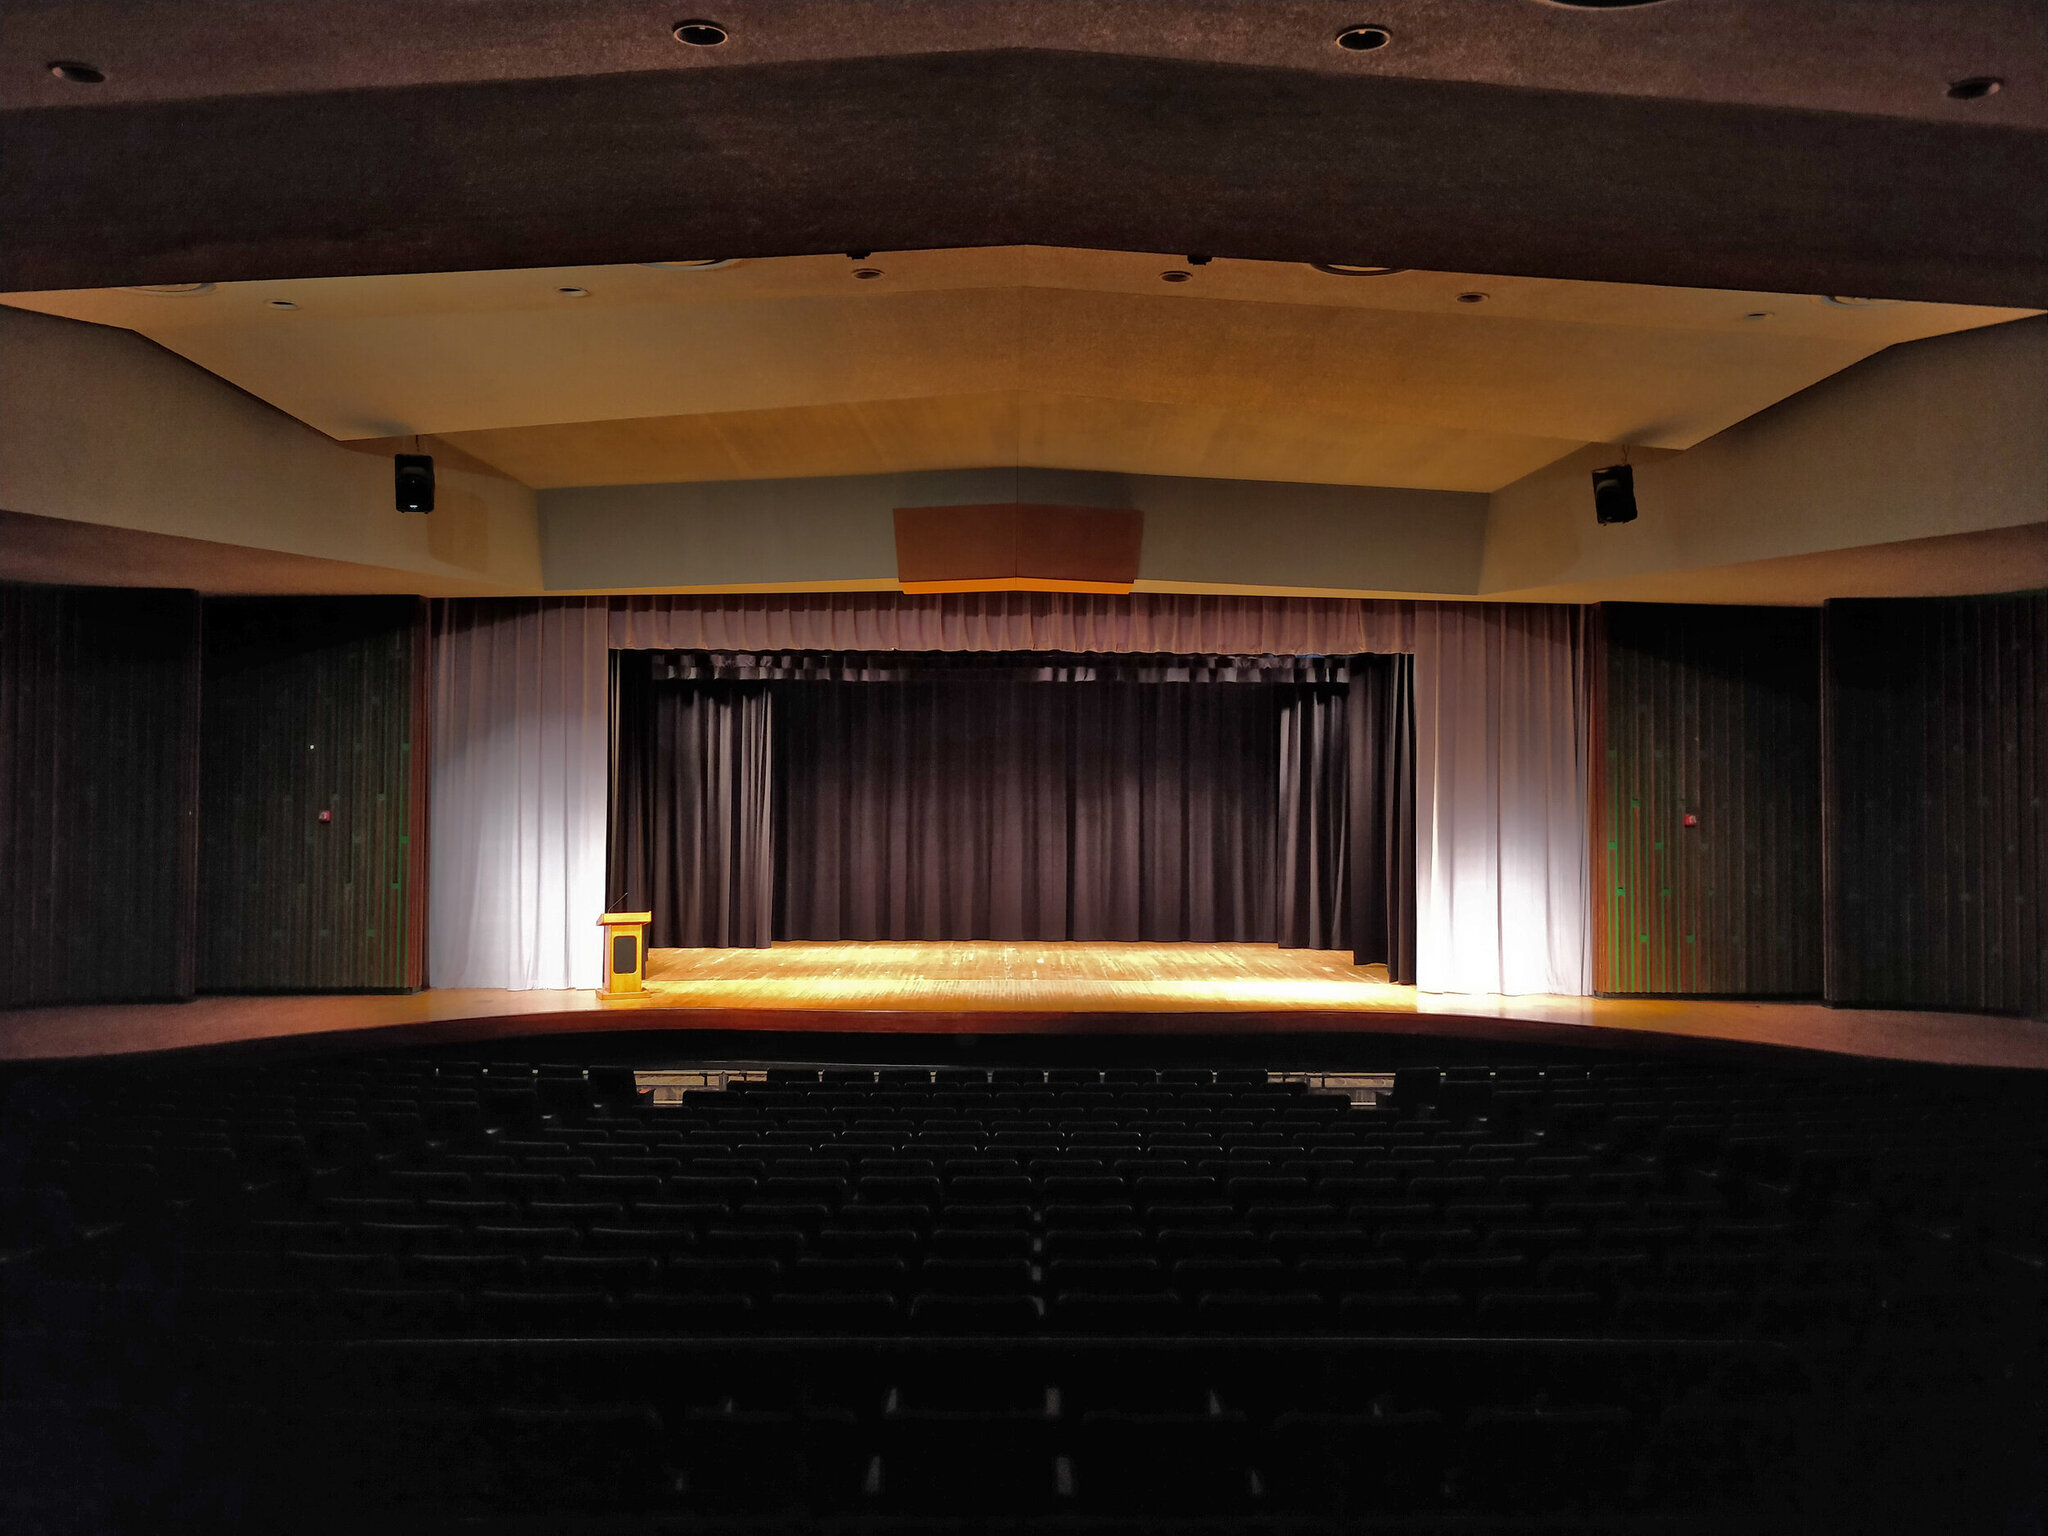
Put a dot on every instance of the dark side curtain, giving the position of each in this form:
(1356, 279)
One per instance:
(1018, 797)
(1346, 816)
(692, 834)
(1380, 767)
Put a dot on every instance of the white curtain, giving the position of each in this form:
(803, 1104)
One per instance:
(1500, 789)
(520, 784)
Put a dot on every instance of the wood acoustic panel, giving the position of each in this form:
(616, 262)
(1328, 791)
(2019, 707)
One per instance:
(1706, 801)
(1937, 802)
(313, 795)
(1015, 547)
(99, 700)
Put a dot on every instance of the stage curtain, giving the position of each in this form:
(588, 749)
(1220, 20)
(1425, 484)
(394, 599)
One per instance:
(1500, 762)
(996, 667)
(519, 790)
(1174, 789)
(1172, 624)
(1313, 896)
(1025, 811)
(922, 811)
(1380, 767)
(1346, 841)
(692, 838)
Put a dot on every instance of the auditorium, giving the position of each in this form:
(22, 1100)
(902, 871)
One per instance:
(1044, 766)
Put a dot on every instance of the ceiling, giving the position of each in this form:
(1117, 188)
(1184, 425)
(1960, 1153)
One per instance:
(1888, 58)
(1057, 358)
(1783, 145)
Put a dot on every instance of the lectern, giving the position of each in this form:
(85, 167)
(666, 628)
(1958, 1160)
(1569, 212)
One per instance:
(625, 952)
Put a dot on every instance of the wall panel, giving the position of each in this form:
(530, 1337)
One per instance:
(1937, 774)
(99, 696)
(1712, 713)
(312, 705)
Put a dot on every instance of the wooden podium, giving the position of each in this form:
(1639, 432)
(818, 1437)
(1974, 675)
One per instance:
(625, 952)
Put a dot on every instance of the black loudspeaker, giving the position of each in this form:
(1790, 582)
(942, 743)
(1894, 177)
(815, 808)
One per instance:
(413, 474)
(1614, 494)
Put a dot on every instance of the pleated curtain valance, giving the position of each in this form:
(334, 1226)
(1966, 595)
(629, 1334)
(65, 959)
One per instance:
(986, 667)
(1162, 623)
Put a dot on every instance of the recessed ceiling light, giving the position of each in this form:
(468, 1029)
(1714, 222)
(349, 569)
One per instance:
(1471, 298)
(1175, 276)
(1848, 302)
(700, 34)
(76, 73)
(711, 265)
(574, 293)
(1758, 314)
(171, 290)
(282, 304)
(867, 272)
(1364, 39)
(1352, 269)
(1976, 88)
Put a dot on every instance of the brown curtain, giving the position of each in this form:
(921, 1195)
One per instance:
(1025, 811)
(1067, 622)
(1314, 853)
(1379, 756)
(692, 835)
(1016, 798)
(1346, 814)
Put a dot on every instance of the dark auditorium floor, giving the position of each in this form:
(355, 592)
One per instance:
(1069, 1285)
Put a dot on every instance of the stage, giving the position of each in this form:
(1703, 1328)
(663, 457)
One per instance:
(1019, 989)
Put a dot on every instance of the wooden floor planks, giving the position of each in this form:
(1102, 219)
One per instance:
(1020, 989)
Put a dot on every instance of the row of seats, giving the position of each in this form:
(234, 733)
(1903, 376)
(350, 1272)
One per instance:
(417, 1290)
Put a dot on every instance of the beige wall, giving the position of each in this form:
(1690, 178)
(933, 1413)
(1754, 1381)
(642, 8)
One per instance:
(1929, 439)
(99, 426)
(1923, 469)
(838, 531)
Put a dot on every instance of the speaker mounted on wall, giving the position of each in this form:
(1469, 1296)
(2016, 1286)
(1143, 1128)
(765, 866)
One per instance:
(1013, 547)
(413, 482)
(1614, 494)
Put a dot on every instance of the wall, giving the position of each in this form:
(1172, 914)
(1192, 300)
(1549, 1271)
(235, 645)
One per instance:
(1936, 722)
(835, 532)
(104, 427)
(99, 743)
(1712, 712)
(1929, 438)
(312, 705)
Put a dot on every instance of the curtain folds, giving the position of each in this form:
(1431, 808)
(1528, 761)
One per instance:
(1314, 814)
(922, 811)
(692, 829)
(1500, 762)
(519, 784)
(997, 667)
(971, 808)
(519, 789)
(1075, 623)
(1016, 811)
(1380, 758)
(1346, 853)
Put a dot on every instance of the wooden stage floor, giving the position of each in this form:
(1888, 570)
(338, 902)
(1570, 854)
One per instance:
(1029, 989)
